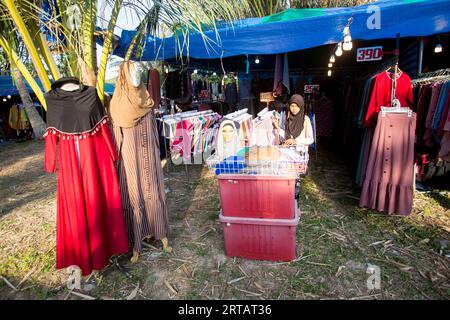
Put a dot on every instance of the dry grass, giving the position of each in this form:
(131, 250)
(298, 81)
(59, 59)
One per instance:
(335, 238)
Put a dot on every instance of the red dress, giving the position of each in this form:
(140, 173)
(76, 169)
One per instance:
(381, 95)
(90, 223)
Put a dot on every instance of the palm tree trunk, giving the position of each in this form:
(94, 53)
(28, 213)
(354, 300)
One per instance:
(36, 121)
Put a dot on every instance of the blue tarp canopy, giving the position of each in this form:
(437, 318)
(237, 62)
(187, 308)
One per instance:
(297, 29)
(7, 86)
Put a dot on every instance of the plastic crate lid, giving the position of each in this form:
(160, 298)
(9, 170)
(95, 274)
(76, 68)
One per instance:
(262, 221)
(225, 176)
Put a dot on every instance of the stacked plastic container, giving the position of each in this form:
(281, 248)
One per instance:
(259, 216)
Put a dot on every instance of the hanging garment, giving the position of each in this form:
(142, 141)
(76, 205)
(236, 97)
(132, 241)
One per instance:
(324, 110)
(214, 91)
(231, 96)
(364, 101)
(422, 109)
(364, 155)
(440, 106)
(141, 181)
(388, 183)
(185, 99)
(428, 135)
(263, 133)
(182, 143)
(444, 152)
(24, 121)
(14, 117)
(444, 116)
(154, 86)
(278, 72)
(286, 73)
(90, 226)
(381, 95)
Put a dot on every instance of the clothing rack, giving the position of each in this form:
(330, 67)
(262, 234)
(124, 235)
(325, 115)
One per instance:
(187, 114)
(236, 113)
(182, 116)
(441, 75)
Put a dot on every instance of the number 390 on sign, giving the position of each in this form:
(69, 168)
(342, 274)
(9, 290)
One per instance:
(369, 54)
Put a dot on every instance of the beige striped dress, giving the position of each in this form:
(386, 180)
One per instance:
(141, 181)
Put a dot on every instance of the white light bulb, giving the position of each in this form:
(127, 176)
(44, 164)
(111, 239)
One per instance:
(214, 74)
(330, 65)
(339, 50)
(438, 48)
(166, 70)
(235, 78)
(195, 71)
(332, 58)
(347, 46)
(9, 96)
(257, 60)
(4, 99)
(329, 73)
(346, 31)
(225, 76)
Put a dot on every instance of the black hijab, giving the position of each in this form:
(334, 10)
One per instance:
(294, 123)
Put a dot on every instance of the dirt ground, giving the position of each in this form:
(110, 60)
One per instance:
(336, 241)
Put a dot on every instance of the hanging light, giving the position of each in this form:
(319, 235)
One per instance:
(195, 71)
(347, 39)
(438, 48)
(9, 96)
(330, 65)
(166, 69)
(332, 58)
(235, 78)
(214, 74)
(329, 73)
(4, 99)
(339, 50)
(225, 76)
(347, 46)
(257, 60)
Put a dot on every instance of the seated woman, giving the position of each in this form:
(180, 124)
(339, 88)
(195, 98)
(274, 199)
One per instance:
(298, 130)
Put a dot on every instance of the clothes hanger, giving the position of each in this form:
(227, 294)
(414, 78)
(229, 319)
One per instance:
(396, 108)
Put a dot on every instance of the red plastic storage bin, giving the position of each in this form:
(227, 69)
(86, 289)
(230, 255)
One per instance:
(257, 196)
(260, 239)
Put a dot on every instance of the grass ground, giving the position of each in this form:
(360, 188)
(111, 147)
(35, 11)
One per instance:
(335, 242)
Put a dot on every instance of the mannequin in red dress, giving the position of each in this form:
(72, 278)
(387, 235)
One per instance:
(90, 223)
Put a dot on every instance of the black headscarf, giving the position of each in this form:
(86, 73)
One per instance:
(294, 123)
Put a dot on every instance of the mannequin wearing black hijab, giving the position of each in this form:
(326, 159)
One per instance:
(295, 122)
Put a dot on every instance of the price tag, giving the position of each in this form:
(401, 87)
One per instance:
(310, 88)
(369, 54)
(266, 97)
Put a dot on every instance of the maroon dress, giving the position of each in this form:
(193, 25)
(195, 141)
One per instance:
(389, 179)
(90, 223)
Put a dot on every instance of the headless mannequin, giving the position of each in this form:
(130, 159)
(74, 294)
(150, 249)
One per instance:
(136, 78)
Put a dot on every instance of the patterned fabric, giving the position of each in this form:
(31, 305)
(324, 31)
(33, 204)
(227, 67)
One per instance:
(141, 181)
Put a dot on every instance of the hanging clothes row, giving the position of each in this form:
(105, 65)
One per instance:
(18, 118)
(191, 133)
(433, 126)
(433, 123)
